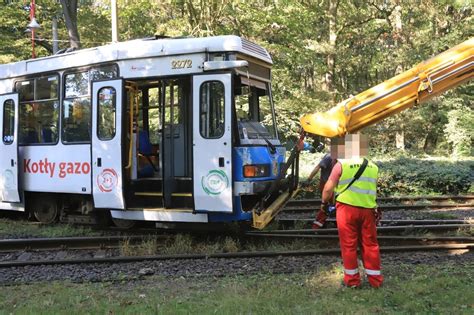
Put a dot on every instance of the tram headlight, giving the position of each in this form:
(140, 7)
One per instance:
(257, 170)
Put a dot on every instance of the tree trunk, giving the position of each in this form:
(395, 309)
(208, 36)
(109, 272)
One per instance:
(331, 57)
(400, 140)
(70, 17)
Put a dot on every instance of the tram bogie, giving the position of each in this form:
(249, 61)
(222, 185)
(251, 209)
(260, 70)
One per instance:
(168, 130)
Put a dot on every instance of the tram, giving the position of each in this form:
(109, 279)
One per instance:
(159, 129)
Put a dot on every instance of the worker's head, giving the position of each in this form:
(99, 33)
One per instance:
(337, 148)
(351, 146)
(356, 145)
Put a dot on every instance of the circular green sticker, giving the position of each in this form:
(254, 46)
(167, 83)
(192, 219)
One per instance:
(215, 182)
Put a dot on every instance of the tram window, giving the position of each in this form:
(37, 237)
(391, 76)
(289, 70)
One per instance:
(76, 84)
(38, 110)
(47, 88)
(76, 108)
(254, 111)
(76, 120)
(106, 72)
(211, 122)
(173, 97)
(154, 125)
(106, 113)
(25, 90)
(154, 116)
(8, 121)
(38, 122)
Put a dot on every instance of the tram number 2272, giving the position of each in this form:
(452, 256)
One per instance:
(181, 64)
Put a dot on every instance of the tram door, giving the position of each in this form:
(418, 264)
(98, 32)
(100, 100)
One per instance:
(212, 143)
(107, 177)
(9, 148)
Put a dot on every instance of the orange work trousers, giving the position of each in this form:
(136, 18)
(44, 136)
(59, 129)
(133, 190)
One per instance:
(356, 226)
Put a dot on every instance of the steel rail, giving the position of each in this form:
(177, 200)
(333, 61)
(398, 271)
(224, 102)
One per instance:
(329, 251)
(459, 239)
(387, 199)
(399, 221)
(379, 229)
(72, 242)
(392, 207)
(312, 201)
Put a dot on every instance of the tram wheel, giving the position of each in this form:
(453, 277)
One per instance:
(45, 210)
(124, 224)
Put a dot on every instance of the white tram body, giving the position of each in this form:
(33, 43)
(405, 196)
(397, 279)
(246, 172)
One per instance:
(170, 130)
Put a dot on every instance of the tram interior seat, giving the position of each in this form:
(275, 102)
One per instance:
(146, 149)
(31, 137)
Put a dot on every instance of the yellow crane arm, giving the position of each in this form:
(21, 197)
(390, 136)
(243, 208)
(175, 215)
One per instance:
(422, 82)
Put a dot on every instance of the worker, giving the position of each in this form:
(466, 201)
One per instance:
(356, 209)
(325, 165)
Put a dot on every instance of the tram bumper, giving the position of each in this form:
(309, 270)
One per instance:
(281, 190)
(251, 188)
(261, 220)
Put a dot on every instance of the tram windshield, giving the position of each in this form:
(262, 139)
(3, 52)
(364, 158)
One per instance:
(254, 110)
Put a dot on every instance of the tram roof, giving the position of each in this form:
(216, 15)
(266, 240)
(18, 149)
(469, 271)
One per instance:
(135, 49)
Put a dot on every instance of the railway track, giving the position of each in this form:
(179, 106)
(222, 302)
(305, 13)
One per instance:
(459, 199)
(109, 242)
(258, 254)
(402, 243)
(420, 239)
(380, 229)
(398, 222)
(63, 243)
(462, 202)
(310, 207)
(397, 243)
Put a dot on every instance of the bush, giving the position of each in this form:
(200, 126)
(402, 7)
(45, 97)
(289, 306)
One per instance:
(402, 175)
(409, 176)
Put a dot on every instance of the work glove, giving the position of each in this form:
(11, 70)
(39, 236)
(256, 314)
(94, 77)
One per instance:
(378, 216)
(321, 217)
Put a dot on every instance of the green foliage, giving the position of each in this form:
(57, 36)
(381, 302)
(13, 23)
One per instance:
(371, 42)
(460, 128)
(402, 175)
(409, 176)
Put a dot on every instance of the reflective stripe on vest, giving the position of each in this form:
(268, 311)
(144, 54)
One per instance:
(363, 192)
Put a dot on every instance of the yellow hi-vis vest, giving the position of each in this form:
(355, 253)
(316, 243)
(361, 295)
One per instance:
(363, 192)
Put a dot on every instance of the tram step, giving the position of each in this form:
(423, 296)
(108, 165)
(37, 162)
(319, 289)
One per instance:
(154, 185)
(160, 194)
(155, 199)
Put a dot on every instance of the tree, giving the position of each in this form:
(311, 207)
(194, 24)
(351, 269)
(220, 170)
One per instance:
(70, 17)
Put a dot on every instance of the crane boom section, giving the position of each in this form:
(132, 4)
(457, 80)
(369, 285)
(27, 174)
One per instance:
(421, 83)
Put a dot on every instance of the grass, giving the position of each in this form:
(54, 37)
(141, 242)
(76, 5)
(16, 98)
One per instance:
(17, 228)
(440, 289)
(180, 244)
(147, 247)
(187, 244)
